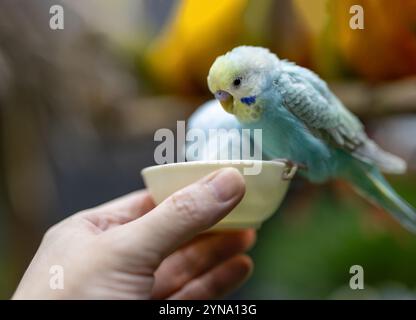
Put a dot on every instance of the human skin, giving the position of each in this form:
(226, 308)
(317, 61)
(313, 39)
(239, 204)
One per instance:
(131, 249)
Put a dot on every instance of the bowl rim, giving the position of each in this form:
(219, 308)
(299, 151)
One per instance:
(277, 163)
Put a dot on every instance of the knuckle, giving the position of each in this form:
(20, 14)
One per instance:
(51, 232)
(187, 259)
(186, 205)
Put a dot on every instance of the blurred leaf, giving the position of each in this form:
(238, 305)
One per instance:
(198, 32)
(314, 14)
(386, 47)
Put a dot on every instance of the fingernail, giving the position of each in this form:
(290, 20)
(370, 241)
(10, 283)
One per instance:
(227, 184)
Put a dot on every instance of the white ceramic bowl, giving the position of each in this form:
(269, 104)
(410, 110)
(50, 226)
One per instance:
(264, 191)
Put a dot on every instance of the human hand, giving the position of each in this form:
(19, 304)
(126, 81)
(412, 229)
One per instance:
(130, 249)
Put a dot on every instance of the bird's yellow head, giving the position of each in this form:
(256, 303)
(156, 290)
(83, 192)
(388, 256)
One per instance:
(239, 77)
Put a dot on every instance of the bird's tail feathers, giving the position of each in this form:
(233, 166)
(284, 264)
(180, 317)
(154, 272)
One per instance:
(373, 186)
(387, 162)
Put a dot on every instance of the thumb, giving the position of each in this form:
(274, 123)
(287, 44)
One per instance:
(185, 214)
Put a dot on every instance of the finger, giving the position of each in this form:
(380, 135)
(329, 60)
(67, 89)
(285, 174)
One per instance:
(121, 210)
(197, 258)
(218, 282)
(184, 214)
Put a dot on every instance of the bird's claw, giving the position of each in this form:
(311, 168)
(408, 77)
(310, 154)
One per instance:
(291, 168)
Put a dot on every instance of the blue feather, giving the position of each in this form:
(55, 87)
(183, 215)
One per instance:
(248, 100)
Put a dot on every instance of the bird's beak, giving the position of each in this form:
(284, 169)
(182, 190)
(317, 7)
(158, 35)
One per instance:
(225, 99)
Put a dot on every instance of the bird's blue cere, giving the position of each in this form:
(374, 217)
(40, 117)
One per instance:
(248, 100)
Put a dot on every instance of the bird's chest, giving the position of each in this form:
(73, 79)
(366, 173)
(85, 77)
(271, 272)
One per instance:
(282, 135)
(247, 112)
(285, 136)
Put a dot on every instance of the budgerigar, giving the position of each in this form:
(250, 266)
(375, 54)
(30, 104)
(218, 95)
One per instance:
(305, 123)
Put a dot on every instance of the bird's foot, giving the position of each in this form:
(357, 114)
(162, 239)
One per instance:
(291, 168)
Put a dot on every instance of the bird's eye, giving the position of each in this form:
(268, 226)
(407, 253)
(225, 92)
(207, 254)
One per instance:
(237, 82)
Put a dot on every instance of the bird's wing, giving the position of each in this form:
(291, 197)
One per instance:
(308, 98)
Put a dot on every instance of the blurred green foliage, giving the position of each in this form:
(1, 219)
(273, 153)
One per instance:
(311, 258)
